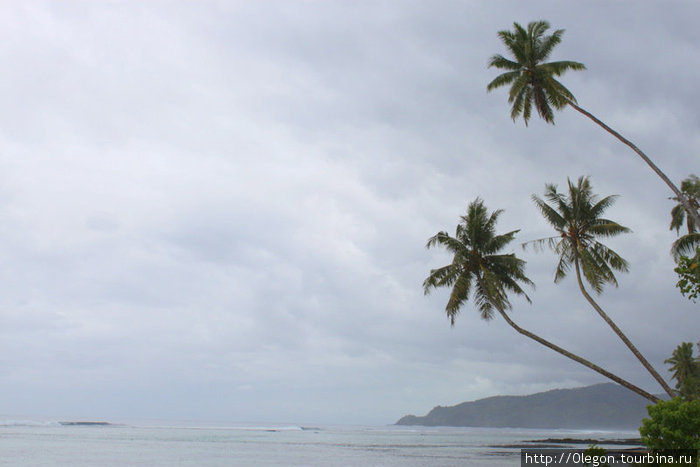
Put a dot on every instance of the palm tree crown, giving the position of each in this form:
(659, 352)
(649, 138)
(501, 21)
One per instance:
(683, 365)
(577, 219)
(531, 79)
(686, 244)
(690, 187)
(477, 270)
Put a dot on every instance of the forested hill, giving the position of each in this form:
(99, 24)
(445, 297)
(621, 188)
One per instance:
(602, 406)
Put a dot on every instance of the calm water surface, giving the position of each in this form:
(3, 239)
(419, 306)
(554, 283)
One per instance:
(189, 444)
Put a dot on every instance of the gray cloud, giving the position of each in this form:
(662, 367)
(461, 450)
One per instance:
(219, 211)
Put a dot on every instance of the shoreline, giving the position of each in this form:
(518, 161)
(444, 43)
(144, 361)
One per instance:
(560, 442)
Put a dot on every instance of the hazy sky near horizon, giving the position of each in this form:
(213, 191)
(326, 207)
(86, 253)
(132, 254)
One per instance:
(218, 210)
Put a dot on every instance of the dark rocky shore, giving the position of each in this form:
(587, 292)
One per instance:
(560, 442)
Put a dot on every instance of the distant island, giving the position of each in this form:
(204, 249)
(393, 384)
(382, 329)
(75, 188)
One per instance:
(606, 406)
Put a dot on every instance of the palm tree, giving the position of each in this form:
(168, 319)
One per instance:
(478, 272)
(685, 368)
(685, 245)
(577, 218)
(532, 80)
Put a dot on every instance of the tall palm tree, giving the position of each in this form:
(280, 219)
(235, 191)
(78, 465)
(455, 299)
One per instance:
(685, 245)
(478, 271)
(577, 219)
(532, 80)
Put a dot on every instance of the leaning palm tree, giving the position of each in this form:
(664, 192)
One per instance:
(533, 81)
(686, 244)
(577, 219)
(480, 273)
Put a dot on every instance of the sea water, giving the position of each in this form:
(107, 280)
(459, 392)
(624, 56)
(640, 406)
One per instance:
(53, 444)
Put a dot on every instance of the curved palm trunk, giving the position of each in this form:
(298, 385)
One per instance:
(684, 201)
(580, 360)
(620, 334)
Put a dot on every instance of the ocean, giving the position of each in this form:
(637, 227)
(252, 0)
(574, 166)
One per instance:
(54, 444)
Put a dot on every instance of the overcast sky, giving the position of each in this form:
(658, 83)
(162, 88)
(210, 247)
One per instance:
(218, 210)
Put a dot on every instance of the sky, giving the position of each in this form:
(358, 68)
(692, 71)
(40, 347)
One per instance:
(218, 210)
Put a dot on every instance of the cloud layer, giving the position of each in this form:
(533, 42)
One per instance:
(219, 211)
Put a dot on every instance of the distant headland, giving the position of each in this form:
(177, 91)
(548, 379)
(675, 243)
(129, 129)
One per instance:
(604, 406)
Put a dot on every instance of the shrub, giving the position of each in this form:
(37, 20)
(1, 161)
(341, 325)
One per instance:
(672, 425)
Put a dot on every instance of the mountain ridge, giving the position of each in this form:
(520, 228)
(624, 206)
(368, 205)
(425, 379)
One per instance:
(600, 406)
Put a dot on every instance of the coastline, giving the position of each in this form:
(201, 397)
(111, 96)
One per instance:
(562, 442)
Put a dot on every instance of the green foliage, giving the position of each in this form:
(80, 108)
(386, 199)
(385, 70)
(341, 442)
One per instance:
(684, 246)
(690, 187)
(596, 452)
(477, 271)
(688, 271)
(672, 425)
(686, 371)
(532, 80)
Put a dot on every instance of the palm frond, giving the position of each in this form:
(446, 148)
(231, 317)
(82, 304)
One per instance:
(517, 107)
(690, 189)
(550, 214)
(502, 63)
(441, 277)
(542, 104)
(520, 46)
(498, 242)
(563, 205)
(513, 45)
(602, 205)
(517, 88)
(559, 93)
(462, 235)
(490, 224)
(691, 186)
(608, 256)
(595, 273)
(547, 44)
(517, 95)
(685, 245)
(502, 80)
(536, 29)
(607, 228)
(677, 218)
(483, 301)
(540, 243)
(561, 67)
(527, 106)
(459, 295)
(510, 281)
(495, 288)
(563, 266)
(444, 240)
